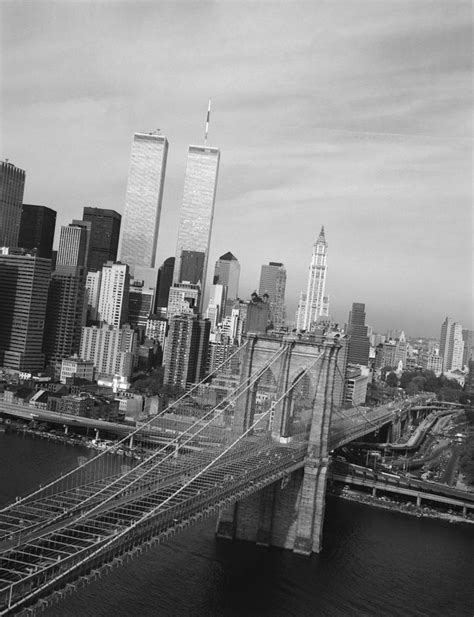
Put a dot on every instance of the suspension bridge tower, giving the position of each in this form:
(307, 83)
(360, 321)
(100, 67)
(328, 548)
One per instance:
(289, 513)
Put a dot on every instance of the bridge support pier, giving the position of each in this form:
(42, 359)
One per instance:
(289, 514)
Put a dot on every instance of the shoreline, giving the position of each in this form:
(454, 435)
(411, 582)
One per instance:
(384, 503)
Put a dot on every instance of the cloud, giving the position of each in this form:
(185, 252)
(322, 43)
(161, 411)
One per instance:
(352, 114)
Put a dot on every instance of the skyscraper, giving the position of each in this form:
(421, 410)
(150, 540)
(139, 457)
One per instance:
(141, 217)
(12, 186)
(197, 212)
(67, 298)
(273, 283)
(216, 306)
(451, 345)
(24, 282)
(312, 304)
(359, 344)
(73, 242)
(186, 350)
(65, 314)
(105, 232)
(165, 280)
(227, 272)
(114, 291)
(37, 229)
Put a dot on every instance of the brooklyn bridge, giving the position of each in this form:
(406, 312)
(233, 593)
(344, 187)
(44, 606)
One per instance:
(257, 461)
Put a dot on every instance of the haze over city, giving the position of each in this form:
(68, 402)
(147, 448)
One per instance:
(355, 116)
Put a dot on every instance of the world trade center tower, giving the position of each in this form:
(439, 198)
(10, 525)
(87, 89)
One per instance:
(141, 217)
(197, 213)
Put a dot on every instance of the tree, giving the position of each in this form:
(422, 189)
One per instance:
(392, 380)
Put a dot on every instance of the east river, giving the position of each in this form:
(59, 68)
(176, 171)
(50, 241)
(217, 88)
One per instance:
(374, 562)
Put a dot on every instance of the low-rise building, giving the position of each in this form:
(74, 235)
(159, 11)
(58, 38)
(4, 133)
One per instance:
(77, 367)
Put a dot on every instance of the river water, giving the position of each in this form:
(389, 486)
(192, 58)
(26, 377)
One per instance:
(374, 563)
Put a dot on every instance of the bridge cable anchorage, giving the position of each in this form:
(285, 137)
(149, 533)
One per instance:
(122, 534)
(131, 478)
(124, 440)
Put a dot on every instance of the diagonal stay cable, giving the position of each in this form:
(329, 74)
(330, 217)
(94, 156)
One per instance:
(132, 476)
(111, 449)
(116, 537)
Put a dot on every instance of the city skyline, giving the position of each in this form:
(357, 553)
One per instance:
(371, 139)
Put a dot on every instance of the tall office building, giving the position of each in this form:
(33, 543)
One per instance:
(112, 350)
(273, 283)
(37, 227)
(451, 345)
(468, 354)
(24, 282)
(105, 233)
(216, 306)
(165, 280)
(67, 298)
(12, 186)
(140, 304)
(112, 308)
(93, 281)
(73, 245)
(183, 298)
(186, 350)
(359, 344)
(141, 217)
(312, 303)
(227, 272)
(65, 314)
(197, 214)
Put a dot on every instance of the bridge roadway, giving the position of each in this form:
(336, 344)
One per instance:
(61, 539)
(31, 514)
(401, 485)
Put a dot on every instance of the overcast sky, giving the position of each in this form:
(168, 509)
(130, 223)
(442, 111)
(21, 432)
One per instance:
(354, 114)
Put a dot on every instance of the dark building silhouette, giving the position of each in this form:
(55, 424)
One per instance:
(258, 314)
(12, 186)
(165, 280)
(359, 344)
(104, 236)
(65, 315)
(186, 350)
(192, 267)
(24, 282)
(37, 226)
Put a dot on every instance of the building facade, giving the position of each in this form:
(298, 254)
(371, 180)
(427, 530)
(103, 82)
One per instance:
(73, 245)
(12, 186)
(37, 227)
(183, 298)
(197, 210)
(65, 314)
(359, 344)
(165, 280)
(143, 200)
(104, 239)
(451, 345)
(111, 349)
(273, 283)
(76, 367)
(24, 283)
(312, 304)
(186, 350)
(227, 272)
(114, 294)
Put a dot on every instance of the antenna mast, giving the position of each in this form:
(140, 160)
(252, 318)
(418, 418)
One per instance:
(207, 122)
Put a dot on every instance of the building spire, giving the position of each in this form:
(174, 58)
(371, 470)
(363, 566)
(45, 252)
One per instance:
(207, 122)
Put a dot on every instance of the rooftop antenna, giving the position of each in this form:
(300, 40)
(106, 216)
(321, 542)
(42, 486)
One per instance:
(207, 122)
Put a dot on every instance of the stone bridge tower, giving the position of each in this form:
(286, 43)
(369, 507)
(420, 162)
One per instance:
(289, 513)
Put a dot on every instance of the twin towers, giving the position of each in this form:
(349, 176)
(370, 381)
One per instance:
(140, 223)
